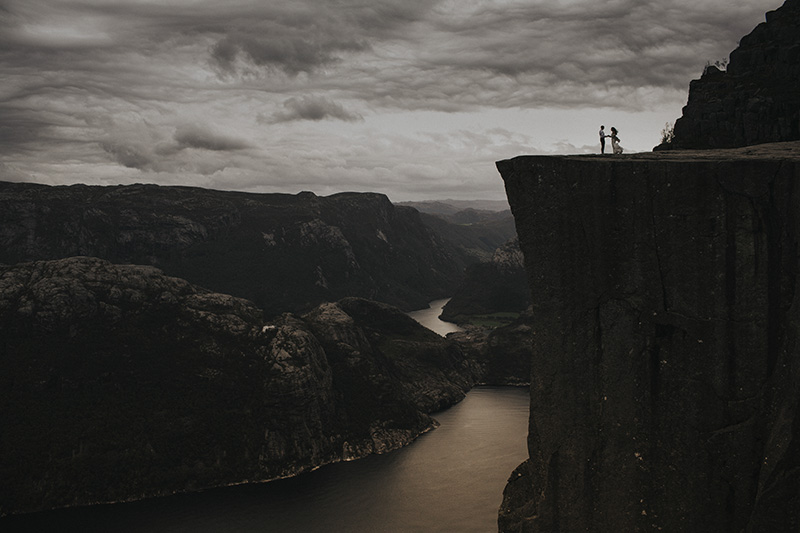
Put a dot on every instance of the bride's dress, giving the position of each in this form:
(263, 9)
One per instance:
(615, 145)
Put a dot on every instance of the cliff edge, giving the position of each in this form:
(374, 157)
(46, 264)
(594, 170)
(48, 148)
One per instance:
(665, 374)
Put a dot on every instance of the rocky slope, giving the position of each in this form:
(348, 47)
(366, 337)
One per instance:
(119, 382)
(665, 378)
(283, 252)
(756, 99)
(498, 285)
(503, 353)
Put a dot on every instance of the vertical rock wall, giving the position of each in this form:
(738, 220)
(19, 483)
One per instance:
(665, 371)
(757, 98)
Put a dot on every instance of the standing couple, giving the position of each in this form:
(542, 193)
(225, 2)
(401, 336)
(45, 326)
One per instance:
(614, 140)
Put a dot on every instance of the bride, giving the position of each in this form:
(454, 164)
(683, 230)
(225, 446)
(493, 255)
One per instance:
(615, 141)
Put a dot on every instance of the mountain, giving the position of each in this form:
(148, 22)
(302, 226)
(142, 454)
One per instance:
(473, 242)
(756, 98)
(450, 207)
(497, 286)
(118, 382)
(147, 346)
(469, 217)
(283, 252)
(476, 228)
(503, 352)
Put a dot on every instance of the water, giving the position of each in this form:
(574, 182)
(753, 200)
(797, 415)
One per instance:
(449, 480)
(430, 318)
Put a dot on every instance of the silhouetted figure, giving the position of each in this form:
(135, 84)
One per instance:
(602, 140)
(615, 141)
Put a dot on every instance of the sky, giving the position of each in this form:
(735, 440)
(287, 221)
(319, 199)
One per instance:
(415, 99)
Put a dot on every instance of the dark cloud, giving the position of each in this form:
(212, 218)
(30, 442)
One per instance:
(407, 55)
(305, 36)
(192, 148)
(312, 108)
(130, 156)
(579, 53)
(291, 53)
(197, 137)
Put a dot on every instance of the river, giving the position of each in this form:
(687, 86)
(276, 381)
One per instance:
(449, 480)
(430, 318)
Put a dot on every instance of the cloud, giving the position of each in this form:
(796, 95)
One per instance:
(356, 93)
(130, 156)
(312, 108)
(280, 49)
(302, 37)
(539, 54)
(201, 138)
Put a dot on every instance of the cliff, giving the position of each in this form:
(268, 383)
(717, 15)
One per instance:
(118, 382)
(283, 252)
(665, 374)
(756, 98)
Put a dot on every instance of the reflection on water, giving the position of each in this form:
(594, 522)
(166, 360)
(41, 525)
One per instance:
(449, 480)
(430, 318)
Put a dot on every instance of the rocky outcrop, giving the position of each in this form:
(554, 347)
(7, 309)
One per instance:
(283, 252)
(665, 378)
(495, 286)
(756, 99)
(503, 352)
(404, 360)
(118, 382)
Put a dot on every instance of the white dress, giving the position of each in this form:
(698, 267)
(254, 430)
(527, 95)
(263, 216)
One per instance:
(615, 144)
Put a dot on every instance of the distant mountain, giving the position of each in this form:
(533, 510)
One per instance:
(468, 217)
(283, 252)
(450, 207)
(475, 227)
(473, 242)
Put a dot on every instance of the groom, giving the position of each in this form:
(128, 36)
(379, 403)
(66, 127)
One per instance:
(602, 140)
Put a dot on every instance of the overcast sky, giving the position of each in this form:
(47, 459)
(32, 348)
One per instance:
(413, 98)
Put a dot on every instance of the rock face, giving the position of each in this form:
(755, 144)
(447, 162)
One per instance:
(665, 379)
(283, 252)
(499, 285)
(118, 382)
(756, 100)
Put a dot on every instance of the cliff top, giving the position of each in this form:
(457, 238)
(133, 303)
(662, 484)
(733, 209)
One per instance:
(761, 152)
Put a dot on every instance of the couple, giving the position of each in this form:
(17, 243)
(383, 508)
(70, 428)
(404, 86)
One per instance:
(614, 140)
